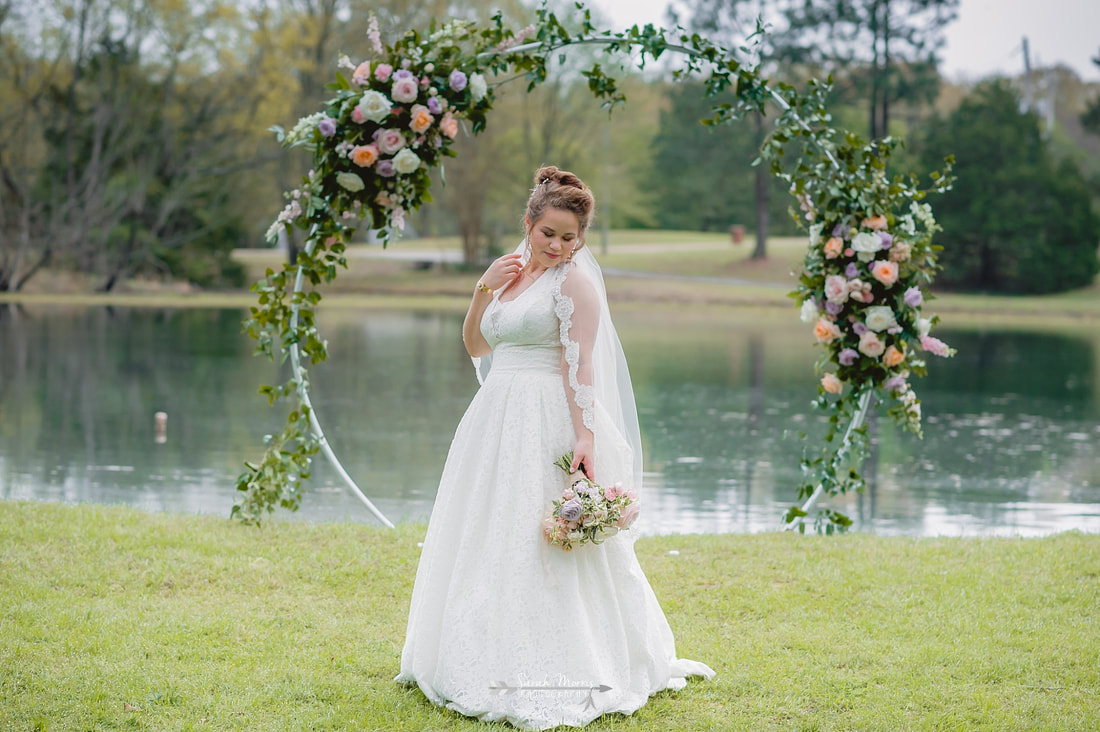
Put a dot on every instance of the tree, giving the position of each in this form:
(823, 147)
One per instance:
(1018, 220)
(703, 175)
(732, 22)
(129, 125)
(1090, 118)
(884, 49)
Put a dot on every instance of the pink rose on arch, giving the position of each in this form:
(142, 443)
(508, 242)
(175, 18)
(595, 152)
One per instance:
(936, 347)
(382, 72)
(405, 90)
(871, 345)
(357, 116)
(448, 125)
(390, 141)
(836, 288)
(900, 252)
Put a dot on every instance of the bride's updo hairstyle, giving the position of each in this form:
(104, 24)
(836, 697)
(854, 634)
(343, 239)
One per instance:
(564, 191)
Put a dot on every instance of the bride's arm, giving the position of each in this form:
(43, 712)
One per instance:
(500, 272)
(578, 336)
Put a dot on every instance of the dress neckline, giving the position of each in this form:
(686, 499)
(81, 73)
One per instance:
(530, 287)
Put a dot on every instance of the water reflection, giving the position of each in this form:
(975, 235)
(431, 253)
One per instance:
(1012, 423)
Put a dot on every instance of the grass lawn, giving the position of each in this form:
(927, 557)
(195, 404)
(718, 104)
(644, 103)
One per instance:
(117, 619)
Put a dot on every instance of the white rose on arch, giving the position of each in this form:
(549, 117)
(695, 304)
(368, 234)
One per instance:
(880, 318)
(809, 311)
(374, 106)
(477, 86)
(867, 245)
(406, 161)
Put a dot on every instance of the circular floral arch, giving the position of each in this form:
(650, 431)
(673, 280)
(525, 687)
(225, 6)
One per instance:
(393, 119)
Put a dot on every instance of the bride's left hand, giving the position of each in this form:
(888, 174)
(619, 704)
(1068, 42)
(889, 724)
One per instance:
(583, 459)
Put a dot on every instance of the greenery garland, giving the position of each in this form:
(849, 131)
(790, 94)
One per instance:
(393, 119)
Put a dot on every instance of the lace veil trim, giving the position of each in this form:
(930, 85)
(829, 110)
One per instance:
(583, 394)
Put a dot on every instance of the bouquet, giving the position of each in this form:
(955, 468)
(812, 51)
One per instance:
(587, 511)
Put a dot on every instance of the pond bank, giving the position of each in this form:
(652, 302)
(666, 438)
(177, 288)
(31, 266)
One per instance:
(447, 291)
(118, 618)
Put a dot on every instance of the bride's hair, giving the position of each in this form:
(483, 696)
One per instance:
(564, 191)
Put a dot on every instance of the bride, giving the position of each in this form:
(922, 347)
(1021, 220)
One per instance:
(503, 625)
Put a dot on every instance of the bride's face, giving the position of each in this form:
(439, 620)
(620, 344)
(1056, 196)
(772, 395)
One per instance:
(553, 237)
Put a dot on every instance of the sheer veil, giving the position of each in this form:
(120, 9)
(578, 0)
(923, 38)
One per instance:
(611, 377)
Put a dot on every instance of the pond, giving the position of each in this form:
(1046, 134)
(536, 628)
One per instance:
(1012, 424)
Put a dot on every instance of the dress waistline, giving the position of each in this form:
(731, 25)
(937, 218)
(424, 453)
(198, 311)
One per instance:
(535, 358)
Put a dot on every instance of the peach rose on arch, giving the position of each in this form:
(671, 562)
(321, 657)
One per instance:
(421, 118)
(885, 272)
(831, 384)
(364, 155)
(833, 247)
(892, 357)
(826, 331)
(875, 223)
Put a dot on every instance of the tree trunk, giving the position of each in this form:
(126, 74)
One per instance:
(874, 69)
(886, 70)
(471, 241)
(763, 196)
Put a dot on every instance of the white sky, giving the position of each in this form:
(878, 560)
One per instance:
(984, 39)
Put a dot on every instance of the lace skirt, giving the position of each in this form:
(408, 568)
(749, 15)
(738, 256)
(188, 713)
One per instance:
(503, 626)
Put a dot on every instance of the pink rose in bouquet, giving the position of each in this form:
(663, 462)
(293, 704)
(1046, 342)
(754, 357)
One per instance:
(588, 513)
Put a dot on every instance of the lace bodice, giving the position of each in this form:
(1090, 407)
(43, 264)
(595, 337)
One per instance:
(527, 322)
(530, 332)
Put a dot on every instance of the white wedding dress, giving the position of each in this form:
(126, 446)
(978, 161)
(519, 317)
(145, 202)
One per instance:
(502, 625)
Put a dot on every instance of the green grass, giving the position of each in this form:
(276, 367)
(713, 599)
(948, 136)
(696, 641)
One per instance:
(116, 619)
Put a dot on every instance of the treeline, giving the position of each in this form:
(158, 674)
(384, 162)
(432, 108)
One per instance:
(133, 135)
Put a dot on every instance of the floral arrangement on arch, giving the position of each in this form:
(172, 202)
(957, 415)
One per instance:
(863, 296)
(862, 289)
(392, 120)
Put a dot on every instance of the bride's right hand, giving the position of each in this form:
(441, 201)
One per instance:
(502, 271)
